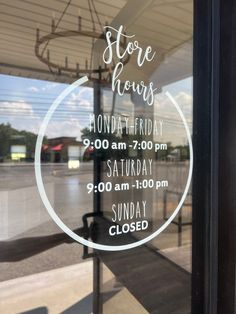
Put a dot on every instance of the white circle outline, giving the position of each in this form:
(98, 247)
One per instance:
(47, 204)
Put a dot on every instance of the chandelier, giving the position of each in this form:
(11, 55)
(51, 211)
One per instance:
(95, 72)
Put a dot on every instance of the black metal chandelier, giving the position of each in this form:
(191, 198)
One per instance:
(100, 72)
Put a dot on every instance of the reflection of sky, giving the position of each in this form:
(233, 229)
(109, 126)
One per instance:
(174, 130)
(182, 92)
(24, 102)
(173, 127)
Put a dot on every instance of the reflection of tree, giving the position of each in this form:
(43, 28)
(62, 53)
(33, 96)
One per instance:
(10, 136)
(86, 133)
(184, 152)
(175, 153)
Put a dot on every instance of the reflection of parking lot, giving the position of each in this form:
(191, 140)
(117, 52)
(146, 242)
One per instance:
(23, 215)
(24, 218)
(21, 208)
(174, 174)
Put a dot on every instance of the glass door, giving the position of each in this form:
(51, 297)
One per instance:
(149, 171)
(96, 156)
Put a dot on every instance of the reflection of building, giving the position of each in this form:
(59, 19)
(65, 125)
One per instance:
(18, 152)
(174, 155)
(62, 149)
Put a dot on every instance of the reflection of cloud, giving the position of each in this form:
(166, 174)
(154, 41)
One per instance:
(81, 100)
(49, 86)
(185, 100)
(21, 116)
(123, 105)
(33, 89)
(27, 113)
(63, 128)
(70, 127)
(16, 107)
(127, 105)
(107, 102)
(173, 128)
(184, 97)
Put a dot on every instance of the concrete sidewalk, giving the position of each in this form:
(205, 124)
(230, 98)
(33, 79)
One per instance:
(51, 292)
(67, 290)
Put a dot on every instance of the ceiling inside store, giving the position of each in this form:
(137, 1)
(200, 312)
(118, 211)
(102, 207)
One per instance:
(166, 25)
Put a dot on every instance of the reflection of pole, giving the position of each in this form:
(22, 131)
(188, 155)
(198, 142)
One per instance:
(97, 156)
(113, 103)
(97, 281)
(97, 273)
(113, 106)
